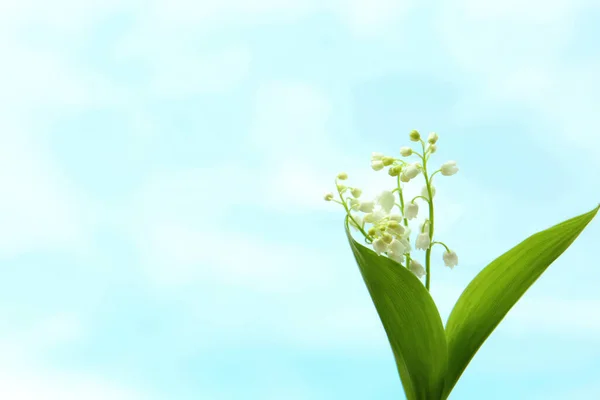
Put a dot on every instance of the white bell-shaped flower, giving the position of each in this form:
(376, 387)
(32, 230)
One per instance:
(416, 268)
(379, 245)
(386, 200)
(366, 206)
(374, 217)
(396, 256)
(396, 228)
(450, 259)
(432, 138)
(396, 251)
(411, 210)
(356, 192)
(449, 168)
(423, 241)
(397, 247)
(405, 151)
(405, 242)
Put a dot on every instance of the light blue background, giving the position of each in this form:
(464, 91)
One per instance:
(162, 164)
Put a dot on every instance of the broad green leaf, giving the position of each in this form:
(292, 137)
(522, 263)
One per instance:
(493, 292)
(411, 321)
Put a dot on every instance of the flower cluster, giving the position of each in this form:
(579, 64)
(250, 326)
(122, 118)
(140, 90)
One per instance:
(384, 220)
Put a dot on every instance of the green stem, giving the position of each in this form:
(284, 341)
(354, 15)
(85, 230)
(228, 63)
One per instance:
(443, 244)
(402, 211)
(431, 221)
(419, 197)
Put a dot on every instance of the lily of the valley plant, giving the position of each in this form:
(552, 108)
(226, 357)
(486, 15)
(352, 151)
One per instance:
(430, 357)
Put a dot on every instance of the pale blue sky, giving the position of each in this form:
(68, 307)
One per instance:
(162, 229)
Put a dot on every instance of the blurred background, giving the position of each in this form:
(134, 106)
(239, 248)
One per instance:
(162, 165)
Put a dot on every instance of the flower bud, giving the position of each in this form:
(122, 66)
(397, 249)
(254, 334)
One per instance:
(342, 176)
(395, 170)
(415, 136)
(432, 148)
(356, 192)
(387, 161)
(328, 197)
(393, 224)
(449, 168)
(405, 151)
(387, 238)
(411, 171)
(341, 188)
(372, 231)
(432, 138)
(354, 204)
(404, 178)
(377, 165)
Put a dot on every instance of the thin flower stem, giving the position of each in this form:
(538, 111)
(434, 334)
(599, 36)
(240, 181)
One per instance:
(431, 221)
(402, 212)
(419, 197)
(418, 155)
(443, 244)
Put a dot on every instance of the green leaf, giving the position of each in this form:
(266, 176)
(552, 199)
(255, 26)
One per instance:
(411, 321)
(493, 292)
